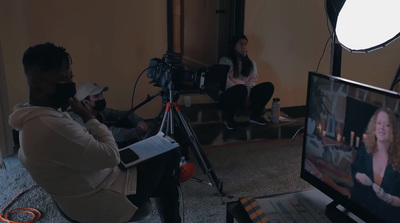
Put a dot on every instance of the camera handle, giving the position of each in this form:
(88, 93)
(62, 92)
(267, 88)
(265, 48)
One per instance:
(148, 99)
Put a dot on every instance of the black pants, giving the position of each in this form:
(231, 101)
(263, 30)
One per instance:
(234, 98)
(155, 179)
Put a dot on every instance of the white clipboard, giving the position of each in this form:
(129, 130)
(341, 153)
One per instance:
(146, 149)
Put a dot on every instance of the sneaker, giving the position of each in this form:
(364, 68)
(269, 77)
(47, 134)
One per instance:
(230, 125)
(259, 120)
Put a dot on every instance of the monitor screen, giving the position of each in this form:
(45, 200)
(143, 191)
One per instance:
(351, 146)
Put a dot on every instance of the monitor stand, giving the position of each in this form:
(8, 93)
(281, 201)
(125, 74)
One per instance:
(337, 215)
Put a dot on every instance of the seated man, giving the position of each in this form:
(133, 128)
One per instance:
(126, 127)
(78, 166)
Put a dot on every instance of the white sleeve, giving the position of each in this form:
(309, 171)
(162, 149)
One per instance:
(90, 148)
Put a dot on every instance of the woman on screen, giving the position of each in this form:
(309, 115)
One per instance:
(376, 168)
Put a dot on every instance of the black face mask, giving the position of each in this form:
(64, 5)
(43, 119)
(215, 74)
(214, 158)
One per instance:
(63, 93)
(240, 55)
(100, 105)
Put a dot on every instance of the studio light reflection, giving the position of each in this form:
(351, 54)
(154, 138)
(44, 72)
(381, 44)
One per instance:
(366, 25)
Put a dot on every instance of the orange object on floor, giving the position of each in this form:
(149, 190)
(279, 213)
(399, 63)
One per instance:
(187, 170)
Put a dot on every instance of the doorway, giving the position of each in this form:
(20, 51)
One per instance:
(6, 139)
(201, 30)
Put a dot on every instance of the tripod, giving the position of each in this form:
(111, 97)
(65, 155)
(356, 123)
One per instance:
(172, 117)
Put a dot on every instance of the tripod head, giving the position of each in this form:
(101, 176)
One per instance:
(169, 93)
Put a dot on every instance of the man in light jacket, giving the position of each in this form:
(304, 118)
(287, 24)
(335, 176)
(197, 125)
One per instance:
(78, 166)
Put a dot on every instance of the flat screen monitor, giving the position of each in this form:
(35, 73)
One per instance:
(351, 148)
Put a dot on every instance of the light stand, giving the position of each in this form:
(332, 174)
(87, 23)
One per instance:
(395, 86)
(333, 8)
(336, 57)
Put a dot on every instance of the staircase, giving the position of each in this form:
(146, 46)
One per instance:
(206, 121)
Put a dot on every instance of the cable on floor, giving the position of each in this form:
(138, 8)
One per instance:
(35, 214)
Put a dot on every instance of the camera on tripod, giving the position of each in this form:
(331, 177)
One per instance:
(168, 74)
(168, 70)
(162, 71)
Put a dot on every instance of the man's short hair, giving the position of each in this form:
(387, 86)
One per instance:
(88, 89)
(46, 56)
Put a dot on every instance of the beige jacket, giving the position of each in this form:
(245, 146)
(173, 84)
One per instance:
(77, 166)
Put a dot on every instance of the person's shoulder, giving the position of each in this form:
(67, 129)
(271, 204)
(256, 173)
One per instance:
(225, 60)
(72, 114)
(75, 117)
(23, 114)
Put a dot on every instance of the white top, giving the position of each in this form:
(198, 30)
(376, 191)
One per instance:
(77, 166)
(249, 81)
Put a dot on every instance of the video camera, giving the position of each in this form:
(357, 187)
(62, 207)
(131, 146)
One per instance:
(164, 70)
(208, 79)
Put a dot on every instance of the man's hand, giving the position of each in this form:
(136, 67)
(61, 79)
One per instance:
(80, 110)
(363, 179)
(89, 107)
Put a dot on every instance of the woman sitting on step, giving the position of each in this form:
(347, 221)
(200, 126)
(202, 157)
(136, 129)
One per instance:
(241, 90)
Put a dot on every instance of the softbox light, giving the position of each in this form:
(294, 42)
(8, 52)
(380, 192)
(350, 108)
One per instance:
(365, 25)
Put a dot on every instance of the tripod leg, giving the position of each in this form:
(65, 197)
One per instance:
(201, 157)
(161, 122)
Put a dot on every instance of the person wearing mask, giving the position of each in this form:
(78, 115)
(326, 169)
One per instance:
(126, 126)
(241, 89)
(78, 166)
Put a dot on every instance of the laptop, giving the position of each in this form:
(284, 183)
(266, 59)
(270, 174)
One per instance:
(146, 149)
